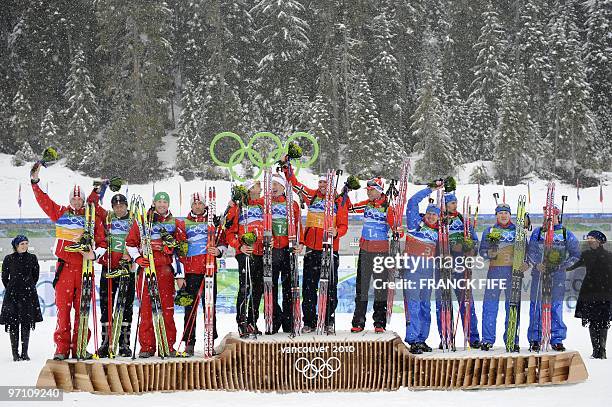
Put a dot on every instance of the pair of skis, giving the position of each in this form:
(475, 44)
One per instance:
(446, 301)
(467, 275)
(327, 257)
(269, 299)
(397, 201)
(520, 244)
(145, 227)
(546, 276)
(87, 284)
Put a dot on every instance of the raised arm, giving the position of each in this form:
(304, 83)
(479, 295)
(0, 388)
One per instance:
(413, 218)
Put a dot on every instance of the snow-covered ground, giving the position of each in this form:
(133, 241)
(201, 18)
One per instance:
(58, 179)
(596, 391)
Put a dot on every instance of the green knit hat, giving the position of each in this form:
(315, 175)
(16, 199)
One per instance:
(161, 196)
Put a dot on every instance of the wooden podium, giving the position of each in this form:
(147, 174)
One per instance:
(343, 362)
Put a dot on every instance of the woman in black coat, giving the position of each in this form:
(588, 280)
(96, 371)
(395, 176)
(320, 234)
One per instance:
(20, 307)
(594, 304)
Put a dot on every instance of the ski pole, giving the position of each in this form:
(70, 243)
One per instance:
(563, 199)
(139, 315)
(496, 196)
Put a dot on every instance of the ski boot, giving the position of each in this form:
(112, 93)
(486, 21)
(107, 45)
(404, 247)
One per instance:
(124, 340)
(558, 347)
(143, 354)
(307, 329)
(379, 329)
(356, 329)
(189, 350)
(425, 347)
(534, 346)
(486, 346)
(475, 344)
(415, 349)
(60, 356)
(103, 349)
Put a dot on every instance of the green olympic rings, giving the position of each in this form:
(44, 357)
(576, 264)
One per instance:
(255, 157)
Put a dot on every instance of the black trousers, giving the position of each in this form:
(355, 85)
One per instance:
(129, 299)
(247, 312)
(283, 316)
(193, 283)
(312, 275)
(365, 274)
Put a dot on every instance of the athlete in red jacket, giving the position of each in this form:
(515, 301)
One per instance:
(313, 239)
(248, 218)
(196, 229)
(69, 227)
(162, 256)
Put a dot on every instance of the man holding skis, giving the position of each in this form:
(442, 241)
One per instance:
(421, 246)
(374, 242)
(282, 316)
(194, 260)
(243, 222)
(313, 240)
(497, 245)
(460, 247)
(116, 270)
(69, 228)
(166, 231)
(565, 252)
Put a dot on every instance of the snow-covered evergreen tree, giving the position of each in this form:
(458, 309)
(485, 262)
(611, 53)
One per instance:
(48, 130)
(534, 54)
(21, 119)
(598, 61)
(81, 115)
(513, 132)
(282, 37)
(189, 158)
(429, 122)
(490, 72)
(457, 124)
(370, 149)
(24, 155)
(320, 126)
(571, 134)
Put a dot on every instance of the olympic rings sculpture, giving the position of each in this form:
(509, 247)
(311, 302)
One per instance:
(255, 157)
(317, 367)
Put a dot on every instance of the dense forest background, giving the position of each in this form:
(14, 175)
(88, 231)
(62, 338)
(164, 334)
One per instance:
(526, 84)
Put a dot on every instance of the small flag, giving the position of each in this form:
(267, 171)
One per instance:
(577, 189)
(153, 196)
(478, 200)
(600, 192)
(19, 196)
(504, 192)
(528, 192)
(127, 192)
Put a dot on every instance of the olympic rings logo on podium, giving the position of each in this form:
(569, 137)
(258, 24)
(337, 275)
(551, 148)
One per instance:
(317, 367)
(257, 158)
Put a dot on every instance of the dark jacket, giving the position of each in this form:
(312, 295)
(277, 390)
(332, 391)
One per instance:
(595, 296)
(19, 275)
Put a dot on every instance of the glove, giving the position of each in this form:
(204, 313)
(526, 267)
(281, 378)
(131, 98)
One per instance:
(143, 262)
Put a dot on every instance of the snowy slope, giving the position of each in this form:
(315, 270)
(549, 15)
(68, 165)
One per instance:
(59, 179)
